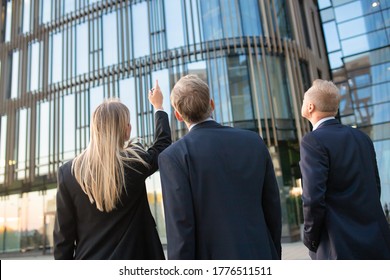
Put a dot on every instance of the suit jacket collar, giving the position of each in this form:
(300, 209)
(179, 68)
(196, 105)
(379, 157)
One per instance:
(328, 122)
(205, 124)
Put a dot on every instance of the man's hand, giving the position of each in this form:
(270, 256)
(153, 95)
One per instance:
(156, 97)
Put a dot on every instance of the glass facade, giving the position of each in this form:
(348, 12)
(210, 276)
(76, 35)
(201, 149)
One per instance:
(60, 59)
(357, 36)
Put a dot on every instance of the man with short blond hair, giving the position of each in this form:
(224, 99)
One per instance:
(343, 216)
(221, 198)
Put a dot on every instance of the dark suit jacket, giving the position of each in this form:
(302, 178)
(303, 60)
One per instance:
(220, 194)
(129, 232)
(343, 216)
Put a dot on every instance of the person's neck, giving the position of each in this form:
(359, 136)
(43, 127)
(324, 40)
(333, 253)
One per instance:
(319, 116)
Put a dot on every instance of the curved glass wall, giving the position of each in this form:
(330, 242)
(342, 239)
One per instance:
(358, 39)
(60, 59)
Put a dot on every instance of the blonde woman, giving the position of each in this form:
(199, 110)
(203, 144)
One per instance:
(102, 206)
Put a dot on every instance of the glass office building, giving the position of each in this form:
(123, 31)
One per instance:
(60, 59)
(357, 36)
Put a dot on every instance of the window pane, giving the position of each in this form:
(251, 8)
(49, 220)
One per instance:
(69, 127)
(141, 30)
(174, 22)
(8, 22)
(26, 15)
(56, 63)
(35, 66)
(46, 11)
(15, 75)
(110, 39)
(331, 36)
(43, 128)
(22, 145)
(239, 85)
(250, 15)
(82, 53)
(128, 96)
(211, 19)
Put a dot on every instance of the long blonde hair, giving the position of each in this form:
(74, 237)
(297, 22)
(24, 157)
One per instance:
(99, 169)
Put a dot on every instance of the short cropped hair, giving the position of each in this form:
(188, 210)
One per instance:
(191, 98)
(324, 95)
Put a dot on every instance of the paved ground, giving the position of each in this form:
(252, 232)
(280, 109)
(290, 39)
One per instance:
(290, 251)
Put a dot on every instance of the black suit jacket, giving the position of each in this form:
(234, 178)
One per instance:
(343, 216)
(220, 194)
(129, 232)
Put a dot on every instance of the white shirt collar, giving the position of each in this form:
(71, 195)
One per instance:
(192, 125)
(321, 121)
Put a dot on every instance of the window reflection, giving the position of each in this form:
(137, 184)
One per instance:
(240, 92)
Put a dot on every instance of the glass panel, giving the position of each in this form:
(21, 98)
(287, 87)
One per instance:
(374, 114)
(251, 18)
(128, 96)
(174, 23)
(335, 59)
(15, 75)
(8, 22)
(45, 11)
(279, 89)
(331, 36)
(323, 3)
(239, 86)
(12, 224)
(22, 146)
(327, 15)
(43, 129)
(364, 42)
(69, 6)
(26, 15)
(35, 62)
(31, 221)
(377, 132)
(49, 202)
(230, 19)
(282, 18)
(361, 25)
(348, 11)
(110, 39)
(69, 127)
(346, 106)
(56, 60)
(141, 30)
(219, 90)
(3, 143)
(211, 19)
(82, 51)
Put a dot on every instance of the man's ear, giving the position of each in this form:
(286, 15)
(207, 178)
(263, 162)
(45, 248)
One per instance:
(212, 104)
(178, 116)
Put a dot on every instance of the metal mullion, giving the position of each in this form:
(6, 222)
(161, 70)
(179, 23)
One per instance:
(292, 79)
(262, 94)
(269, 91)
(122, 37)
(128, 29)
(251, 74)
